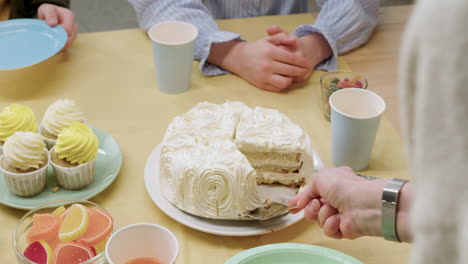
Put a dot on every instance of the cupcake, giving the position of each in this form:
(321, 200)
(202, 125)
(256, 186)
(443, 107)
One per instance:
(24, 163)
(58, 116)
(14, 118)
(74, 156)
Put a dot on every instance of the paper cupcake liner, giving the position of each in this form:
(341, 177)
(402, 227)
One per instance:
(26, 184)
(50, 143)
(74, 178)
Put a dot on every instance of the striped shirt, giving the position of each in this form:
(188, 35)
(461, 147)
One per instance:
(346, 24)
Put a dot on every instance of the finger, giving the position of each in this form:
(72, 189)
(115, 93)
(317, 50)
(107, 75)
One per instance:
(325, 212)
(279, 81)
(346, 169)
(48, 13)
(312, 209)
(269, 87)
(331, 227)
(288, 57)
(66, 19)
(287, 69)
(282, 39)
(72, 37)
(272, 30)
(306, 196)
(293, 201)
(302, 79)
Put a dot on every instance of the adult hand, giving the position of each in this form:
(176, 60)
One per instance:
(56, 15)
(262, 63)
(313, 47)
(343, 204)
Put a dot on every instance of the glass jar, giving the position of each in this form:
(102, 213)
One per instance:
(25, 223)
(333, 81)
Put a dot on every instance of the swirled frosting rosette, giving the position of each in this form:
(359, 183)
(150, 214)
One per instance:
(14, 118)
(74, 156)
(215, 157)
(24, 163)
(58, 116)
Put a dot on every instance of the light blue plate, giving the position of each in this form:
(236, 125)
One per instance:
(108, 163)
(25, 42)
(291, 253)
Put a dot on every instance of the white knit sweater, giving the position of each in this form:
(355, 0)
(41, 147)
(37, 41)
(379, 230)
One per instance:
(434, 70)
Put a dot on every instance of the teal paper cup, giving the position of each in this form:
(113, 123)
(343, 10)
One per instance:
(173, 44)
(355, 117)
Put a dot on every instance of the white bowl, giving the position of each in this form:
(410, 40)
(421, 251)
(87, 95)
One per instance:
(142, 240)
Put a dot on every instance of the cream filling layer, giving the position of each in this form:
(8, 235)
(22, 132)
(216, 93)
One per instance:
(288, 179)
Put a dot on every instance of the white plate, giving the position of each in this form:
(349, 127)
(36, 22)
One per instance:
(213, 226)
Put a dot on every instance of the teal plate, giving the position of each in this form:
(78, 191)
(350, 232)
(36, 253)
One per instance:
(291, 253)
(108, 163)
(25, 42)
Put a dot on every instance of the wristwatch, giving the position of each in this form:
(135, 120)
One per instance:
(390, 196)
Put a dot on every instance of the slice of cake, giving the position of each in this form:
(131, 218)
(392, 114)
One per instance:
(278, 149)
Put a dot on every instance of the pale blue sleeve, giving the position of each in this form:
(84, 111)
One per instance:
(345, 24)
(151, 12)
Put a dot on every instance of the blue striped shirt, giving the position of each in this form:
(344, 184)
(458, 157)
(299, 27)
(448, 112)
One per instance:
(346, 24)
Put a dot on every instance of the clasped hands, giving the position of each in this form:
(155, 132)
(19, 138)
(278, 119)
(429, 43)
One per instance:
(276, 62)
(273, 63)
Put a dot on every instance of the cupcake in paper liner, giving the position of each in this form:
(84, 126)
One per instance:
(58, 116)
(15, 118)
(24, 163)
(74, 156)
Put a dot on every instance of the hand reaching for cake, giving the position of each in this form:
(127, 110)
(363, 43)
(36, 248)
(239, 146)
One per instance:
(343, 204)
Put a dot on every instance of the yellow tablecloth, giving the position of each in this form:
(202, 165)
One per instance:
(111, 76)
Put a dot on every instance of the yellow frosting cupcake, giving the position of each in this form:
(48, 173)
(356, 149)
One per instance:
(76, 144)
(14, 118)
(74, 156)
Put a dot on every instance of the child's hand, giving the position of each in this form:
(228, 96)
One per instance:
(313, 47)
(56, 15)
(262, 63)
(295, 47)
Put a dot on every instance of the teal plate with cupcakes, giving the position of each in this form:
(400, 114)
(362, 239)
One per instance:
(291, 253)
(108, 163)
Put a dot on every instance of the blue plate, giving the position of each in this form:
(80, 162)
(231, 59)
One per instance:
(291, 253)
(25, 42)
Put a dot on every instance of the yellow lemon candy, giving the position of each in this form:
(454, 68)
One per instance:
(59, 211)
(74, 224)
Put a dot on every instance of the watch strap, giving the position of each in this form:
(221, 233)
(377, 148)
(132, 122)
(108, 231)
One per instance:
(390, 196)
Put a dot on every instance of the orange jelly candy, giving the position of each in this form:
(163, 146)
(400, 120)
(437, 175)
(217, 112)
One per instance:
(44, 227)
(99, 227)
(72, 253)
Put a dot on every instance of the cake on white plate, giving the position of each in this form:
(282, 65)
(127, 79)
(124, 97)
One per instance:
(220, 160)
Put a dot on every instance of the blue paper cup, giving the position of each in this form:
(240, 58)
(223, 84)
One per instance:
(173, 44)
(355, 117)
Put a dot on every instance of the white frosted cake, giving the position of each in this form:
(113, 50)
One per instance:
(217, 159)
